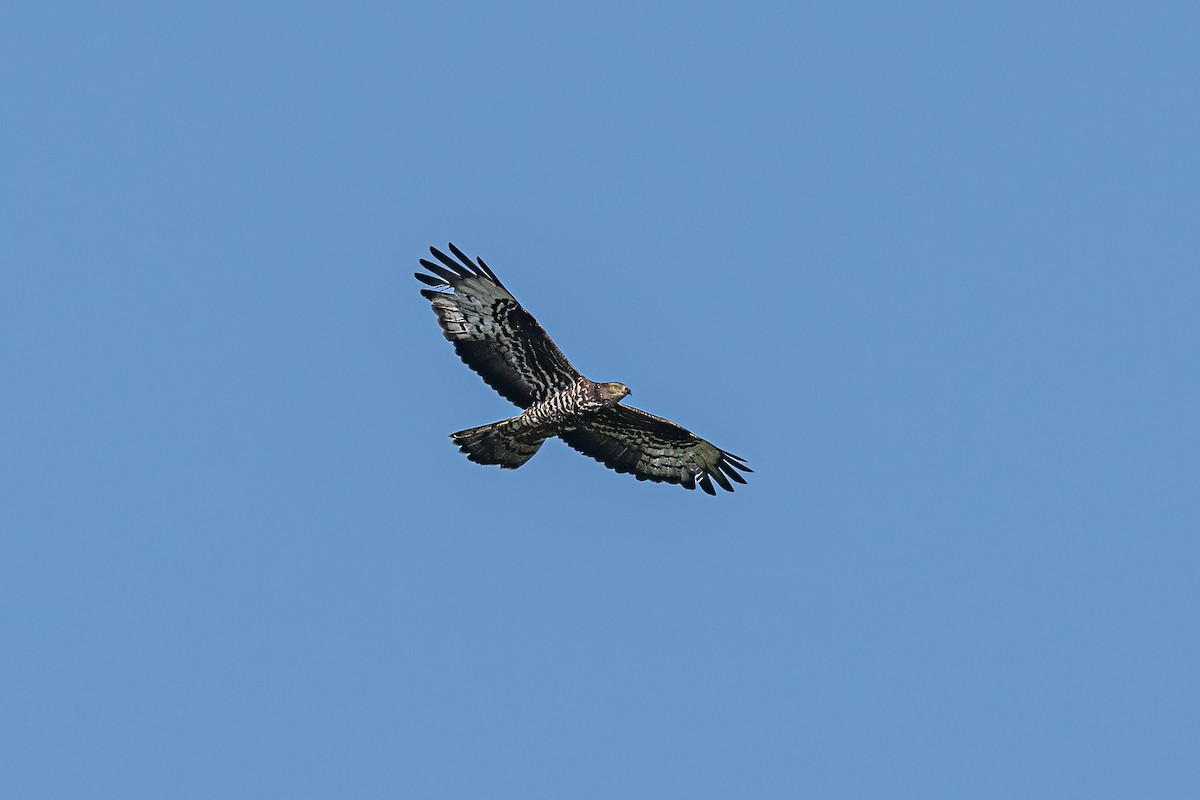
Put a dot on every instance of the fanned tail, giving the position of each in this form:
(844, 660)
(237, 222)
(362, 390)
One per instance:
(495, 444)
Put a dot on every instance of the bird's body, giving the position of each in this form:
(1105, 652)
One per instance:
(500, 340)
(512, 442)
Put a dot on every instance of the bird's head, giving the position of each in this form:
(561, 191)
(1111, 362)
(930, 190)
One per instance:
(611, 393)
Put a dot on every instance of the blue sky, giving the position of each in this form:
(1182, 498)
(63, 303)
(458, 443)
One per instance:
(929, 267)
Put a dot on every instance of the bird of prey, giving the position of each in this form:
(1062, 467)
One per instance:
(495, 336)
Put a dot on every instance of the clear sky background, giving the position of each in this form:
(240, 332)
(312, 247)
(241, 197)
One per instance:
(931, 268)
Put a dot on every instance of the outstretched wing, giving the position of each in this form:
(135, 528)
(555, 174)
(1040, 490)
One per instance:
(491, 332)
(628, 439)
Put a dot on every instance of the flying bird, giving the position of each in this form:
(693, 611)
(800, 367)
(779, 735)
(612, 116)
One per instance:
(497, 338)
